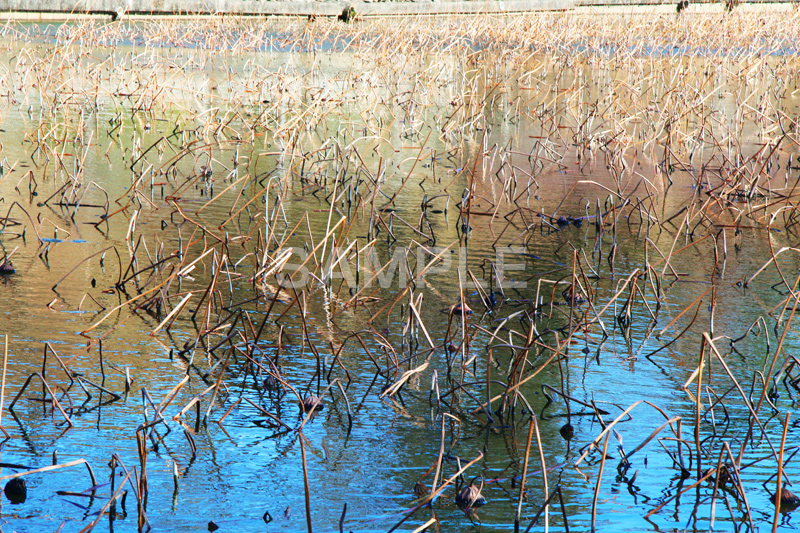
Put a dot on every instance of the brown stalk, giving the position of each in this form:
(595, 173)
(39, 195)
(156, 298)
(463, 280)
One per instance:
(597, 484)
(779, 480)
(525, 474)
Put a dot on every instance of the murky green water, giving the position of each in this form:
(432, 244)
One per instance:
(523, 140)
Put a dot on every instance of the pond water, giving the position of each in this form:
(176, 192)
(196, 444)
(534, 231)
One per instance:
(147, 162)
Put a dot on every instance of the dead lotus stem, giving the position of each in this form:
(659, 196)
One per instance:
(700, 120)
(305, 481)
(141, 444)
(597, 484)
(652, 436)
(607, 428)
(779, 481)
(426, 525)
(173, 313)
(524, 473)
(192, 402)
(707, 339)
(217, 384)
(695, 301)
(129, 301)
(56, 403)
(738, 480)
(55, 467)
(434, 494)
(441, 451)
(513, 388)
(108, 504)
(3, 384)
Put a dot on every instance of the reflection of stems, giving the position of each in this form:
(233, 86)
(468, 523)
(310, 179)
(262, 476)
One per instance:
(5, 220)
(49, 390)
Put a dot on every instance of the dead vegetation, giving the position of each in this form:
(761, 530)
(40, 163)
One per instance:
(298, 186)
